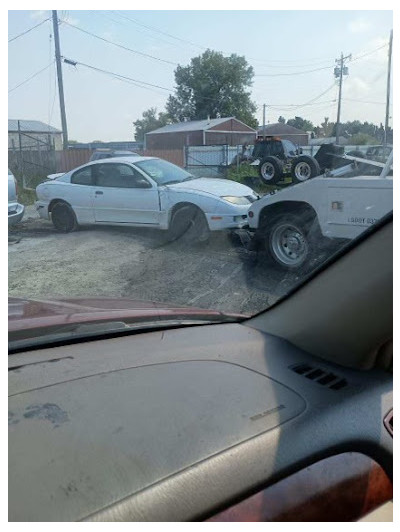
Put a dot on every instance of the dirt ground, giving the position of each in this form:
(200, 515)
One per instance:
(138, 264)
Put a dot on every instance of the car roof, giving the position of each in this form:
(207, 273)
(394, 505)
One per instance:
(121, 159)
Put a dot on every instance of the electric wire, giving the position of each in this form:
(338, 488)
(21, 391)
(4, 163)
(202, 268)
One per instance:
(31, 77)
(120, 45)
(28, 30)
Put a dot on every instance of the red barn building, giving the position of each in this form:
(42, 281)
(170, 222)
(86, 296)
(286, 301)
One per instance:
(209, 132)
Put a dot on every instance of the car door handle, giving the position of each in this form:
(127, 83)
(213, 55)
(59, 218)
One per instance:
(98, 192)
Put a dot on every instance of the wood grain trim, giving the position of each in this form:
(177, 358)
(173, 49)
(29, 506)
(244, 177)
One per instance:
(344, 487)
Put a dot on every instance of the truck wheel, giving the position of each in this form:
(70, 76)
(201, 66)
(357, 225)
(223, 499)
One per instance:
(288, 241)
(270, 170)
(304, 168)
(188, 225)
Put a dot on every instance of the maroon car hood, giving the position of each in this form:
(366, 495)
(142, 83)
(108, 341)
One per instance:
(26, 314)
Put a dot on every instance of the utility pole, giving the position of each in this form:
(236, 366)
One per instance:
(388, 88)
(60, 81)
(339, 72)
(21, 157)
(264, 107)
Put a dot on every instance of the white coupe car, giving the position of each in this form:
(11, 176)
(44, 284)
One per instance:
(144, 191)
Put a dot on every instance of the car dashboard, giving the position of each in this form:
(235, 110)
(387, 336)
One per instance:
(186, 424)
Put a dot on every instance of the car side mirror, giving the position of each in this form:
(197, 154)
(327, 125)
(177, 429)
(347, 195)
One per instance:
(300, 150)
(142, 183)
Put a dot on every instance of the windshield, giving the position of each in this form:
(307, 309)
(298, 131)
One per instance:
(261, 158)
(163, 172)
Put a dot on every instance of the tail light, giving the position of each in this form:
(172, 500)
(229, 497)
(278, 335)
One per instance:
(16, 188)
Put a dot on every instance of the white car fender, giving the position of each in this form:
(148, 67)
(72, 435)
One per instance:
(169, 198)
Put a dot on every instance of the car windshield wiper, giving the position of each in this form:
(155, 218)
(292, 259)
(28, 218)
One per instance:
(172, 182)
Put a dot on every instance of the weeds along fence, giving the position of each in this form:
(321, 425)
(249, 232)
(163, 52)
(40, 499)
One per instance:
(33, 166)
(214, 161)
(210, 161)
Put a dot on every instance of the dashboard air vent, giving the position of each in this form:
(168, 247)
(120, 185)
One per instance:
(322, 377)
(388, 422)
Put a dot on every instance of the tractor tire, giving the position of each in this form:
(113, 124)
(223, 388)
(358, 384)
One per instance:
(303, 168)
(270, 170)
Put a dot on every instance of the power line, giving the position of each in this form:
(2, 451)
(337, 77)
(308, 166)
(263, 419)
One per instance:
(309, 102)
(130, 80)
(124, 25)
(363, 101)
(367, 53)
(152, 28)
(30, 29)
(120, 45)
(294, 73)
(160, 31)
(120, 76)
(295, 107)
(31, 77)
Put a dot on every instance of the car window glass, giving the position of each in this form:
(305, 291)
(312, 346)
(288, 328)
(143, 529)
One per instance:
(82, 177)
(119, 176)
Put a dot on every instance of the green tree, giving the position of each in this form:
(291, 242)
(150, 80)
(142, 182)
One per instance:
(149, 122)
(360, 139)
(300, 123)
(213, 85)
(282, 120)
(326, 128)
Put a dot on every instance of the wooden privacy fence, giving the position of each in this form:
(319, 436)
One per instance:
(175, 156)
(67, 160)
(33, 166)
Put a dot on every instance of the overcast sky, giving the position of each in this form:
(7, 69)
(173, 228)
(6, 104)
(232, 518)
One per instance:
(283, 47)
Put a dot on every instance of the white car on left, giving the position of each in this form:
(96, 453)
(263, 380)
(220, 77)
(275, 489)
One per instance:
(15, 209)
(144, 191)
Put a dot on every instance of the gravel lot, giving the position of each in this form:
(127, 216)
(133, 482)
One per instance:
(136, 263)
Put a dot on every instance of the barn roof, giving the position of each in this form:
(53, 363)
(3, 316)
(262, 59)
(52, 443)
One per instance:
(280, 129)
(193, 125)
(32, 126)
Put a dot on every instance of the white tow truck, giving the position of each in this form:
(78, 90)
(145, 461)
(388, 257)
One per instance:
(293, 224)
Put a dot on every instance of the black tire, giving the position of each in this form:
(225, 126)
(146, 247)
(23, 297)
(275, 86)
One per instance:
(270, 170)
(188, 225)
(303, 168)
(63, 217)
(290, 241)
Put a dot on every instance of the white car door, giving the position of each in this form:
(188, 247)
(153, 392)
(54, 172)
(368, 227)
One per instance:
(79, 192)
(123, 195)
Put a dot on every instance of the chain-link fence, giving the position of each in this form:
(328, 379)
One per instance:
(213, 161)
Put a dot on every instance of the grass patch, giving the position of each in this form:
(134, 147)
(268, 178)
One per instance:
(248, 175)
(26, 197)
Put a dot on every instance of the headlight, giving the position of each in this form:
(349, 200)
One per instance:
(237, 200)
